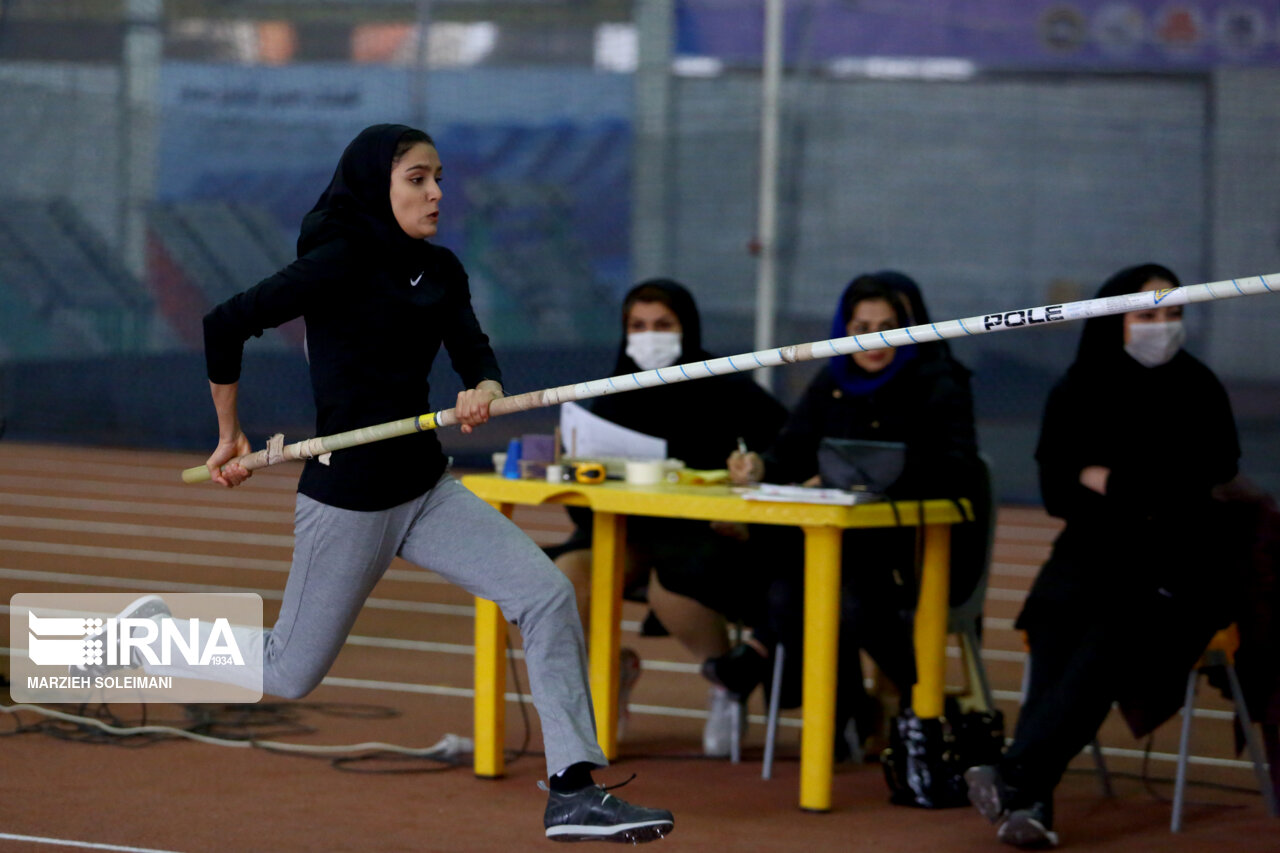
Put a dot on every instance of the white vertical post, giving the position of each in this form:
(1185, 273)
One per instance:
(767, 227)
(139, 108)
(138, 150)
(418, 85)
(651, 211)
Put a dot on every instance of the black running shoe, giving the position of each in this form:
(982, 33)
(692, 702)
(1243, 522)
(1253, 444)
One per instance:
(593, 814)
(1029, 828)
(146, 607)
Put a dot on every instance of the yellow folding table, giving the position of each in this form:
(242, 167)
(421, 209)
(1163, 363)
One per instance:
(823, 525)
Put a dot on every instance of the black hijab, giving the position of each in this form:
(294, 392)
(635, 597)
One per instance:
(1102, 341)
(676, 297)
(702, 419)
(1110, 410)
(357, 204)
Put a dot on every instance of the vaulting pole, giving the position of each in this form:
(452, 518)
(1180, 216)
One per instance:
(277, 451)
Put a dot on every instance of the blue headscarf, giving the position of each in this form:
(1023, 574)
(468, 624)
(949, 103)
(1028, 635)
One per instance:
(849, 377)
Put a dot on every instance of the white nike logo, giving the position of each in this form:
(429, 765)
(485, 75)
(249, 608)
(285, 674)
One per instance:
(413, 282)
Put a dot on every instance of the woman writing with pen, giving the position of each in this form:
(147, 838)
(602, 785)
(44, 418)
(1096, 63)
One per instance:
(917, 396)
(693, 574)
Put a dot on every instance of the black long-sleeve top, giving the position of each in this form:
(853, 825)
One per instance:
(372, 335)
(928, 406)
(1168, 436)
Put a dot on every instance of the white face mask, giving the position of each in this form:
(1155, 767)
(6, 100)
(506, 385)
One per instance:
(1153, 344)
(651, 350)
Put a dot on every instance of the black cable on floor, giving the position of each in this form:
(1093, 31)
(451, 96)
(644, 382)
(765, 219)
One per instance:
(237, 723)
(509, 756)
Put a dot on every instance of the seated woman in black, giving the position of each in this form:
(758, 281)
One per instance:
(1134, 437)
(696, 573)
(917, 395)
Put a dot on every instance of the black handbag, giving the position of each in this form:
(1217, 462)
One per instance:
(925, 762)
(847, 463)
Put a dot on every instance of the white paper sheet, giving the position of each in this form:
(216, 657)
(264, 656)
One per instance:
(805, 495)
(588, 436)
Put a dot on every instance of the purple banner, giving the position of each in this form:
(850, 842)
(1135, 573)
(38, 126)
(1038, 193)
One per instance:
(1139, 35)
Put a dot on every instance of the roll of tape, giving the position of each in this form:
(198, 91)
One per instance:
(555, 473)
(646, 473)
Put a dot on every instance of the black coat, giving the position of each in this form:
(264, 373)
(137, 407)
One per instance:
(1151, 558)
(928, 406)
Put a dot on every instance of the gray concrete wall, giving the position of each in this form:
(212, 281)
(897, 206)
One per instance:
(988, 192)
(1244, 342)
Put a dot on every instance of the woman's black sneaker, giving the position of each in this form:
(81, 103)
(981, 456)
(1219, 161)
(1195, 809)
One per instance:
(593, 814)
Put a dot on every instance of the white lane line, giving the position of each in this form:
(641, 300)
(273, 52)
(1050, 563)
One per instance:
(418, 645)
(173, 586)
(1036, 553)
(407, 687)
(550, 531)
(142, 555)
(1024, 535)
(468, 693)
(221, 513)
(991, 654)
(83, 845)
(190, 494)
(1172, 757)
(1006, 594)
(153, 531)
(181, 559)
(667, 665)
(1013, 570)
(518, 654)
(131, 472)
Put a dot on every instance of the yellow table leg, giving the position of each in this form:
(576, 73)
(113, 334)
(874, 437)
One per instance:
(821, 648)
(608, 555)
(490, 683)
(931, 623)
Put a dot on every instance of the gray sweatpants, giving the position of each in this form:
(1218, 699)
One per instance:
(340, 554)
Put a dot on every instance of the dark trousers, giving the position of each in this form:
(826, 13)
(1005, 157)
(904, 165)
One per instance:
(1136, 655)
(1075, 673)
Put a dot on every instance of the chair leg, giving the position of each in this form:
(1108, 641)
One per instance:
(735, 733)
(1256, 752)
(771, 726)
(1271, 740)
(1104, 775)
(739, 710)
(971, 651)
(1184, 751)
(853, 739)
